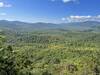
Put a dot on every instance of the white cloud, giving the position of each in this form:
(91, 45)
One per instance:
(98, 16)
(2, 4)
(78, 18)
(66, 1)
(63, 19)
(3, 14)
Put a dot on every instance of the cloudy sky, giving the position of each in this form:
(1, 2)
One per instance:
(55, 11)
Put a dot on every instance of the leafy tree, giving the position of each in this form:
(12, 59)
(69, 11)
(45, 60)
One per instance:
(7, 62)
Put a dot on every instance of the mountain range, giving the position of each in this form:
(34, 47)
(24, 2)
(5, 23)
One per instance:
(24, 26)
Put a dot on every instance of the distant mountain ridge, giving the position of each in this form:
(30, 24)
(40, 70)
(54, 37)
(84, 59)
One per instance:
(18, 25)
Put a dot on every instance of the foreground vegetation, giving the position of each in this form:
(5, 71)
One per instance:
(54, 52)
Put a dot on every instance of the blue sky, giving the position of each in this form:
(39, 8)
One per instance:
(54, 11)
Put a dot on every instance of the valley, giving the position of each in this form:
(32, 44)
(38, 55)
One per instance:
(53, 51)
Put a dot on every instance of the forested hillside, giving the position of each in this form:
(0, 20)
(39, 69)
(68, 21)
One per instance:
(49, 52)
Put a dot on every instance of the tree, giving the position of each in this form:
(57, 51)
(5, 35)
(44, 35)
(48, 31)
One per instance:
(7, 62)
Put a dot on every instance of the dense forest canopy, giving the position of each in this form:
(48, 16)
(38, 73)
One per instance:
(49, 52)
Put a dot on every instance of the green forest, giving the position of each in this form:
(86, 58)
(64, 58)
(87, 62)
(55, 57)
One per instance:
(49, 52)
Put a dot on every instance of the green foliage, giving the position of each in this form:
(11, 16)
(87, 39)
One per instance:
(46, 73)
(50, 53)
(7, 62)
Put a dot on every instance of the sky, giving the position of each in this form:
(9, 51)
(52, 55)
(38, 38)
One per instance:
(52, 11)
